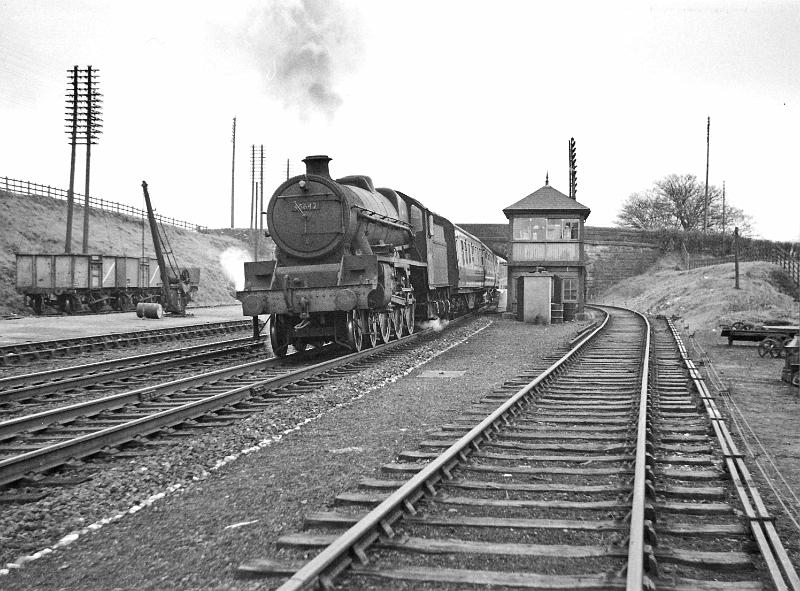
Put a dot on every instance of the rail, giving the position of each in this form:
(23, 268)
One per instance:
(780, 568)
(636, 541)
(365, 531)
(51, 455)
(28, 188)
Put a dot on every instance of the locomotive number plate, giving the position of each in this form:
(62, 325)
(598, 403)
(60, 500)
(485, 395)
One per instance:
(304, 207)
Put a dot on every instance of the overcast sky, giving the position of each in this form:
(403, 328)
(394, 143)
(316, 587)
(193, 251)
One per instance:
(463, 105)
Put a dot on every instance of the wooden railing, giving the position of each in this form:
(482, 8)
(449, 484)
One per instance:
(29, 188)
(789, 261)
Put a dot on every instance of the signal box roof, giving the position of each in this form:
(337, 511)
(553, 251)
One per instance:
(547, 200)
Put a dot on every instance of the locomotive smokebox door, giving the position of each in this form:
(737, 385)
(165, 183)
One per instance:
(308, 220)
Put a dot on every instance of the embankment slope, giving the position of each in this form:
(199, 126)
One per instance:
(706, 297)
(31, 224)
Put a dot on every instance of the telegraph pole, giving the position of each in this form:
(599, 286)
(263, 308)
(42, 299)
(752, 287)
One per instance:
(233, 166)
(72, 129)
(89, 137)
(261, 185)
(723, 218)
(252, 182)
(84, 124)
(708, 144)
(256, 196)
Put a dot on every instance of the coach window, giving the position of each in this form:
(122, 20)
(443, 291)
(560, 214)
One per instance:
(417, 221)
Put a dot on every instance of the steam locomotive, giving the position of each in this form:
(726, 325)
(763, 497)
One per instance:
(357, 265)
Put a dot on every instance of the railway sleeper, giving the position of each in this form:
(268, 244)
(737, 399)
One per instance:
(44, 481)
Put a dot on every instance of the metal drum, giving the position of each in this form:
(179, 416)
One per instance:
(149, 310)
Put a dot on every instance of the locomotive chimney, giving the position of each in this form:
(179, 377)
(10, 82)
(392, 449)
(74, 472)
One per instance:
(317, 165)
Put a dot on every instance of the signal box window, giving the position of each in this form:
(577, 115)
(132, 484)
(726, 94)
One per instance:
(529, 228)
(569, 289)
(560, 229)
(571, 229)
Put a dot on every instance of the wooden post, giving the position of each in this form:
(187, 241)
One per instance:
(736, 256)
(705, 209)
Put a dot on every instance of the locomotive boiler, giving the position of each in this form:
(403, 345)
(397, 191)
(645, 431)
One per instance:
(355, 264)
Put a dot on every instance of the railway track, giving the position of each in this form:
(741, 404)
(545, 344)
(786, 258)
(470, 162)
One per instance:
(21, 353)
(33, 444)
(603, 472)
(92, 379)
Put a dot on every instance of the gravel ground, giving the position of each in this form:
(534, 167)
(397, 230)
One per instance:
(29, 329)
(762, 410)
(185, 515)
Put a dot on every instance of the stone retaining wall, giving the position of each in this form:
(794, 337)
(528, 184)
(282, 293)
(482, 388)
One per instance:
(613, 254)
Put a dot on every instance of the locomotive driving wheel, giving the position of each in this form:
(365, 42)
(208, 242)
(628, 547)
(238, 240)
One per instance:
(408, 316)
(355, 329)
(384, 327)
(277, 335)
(396, 320)
(372, 327)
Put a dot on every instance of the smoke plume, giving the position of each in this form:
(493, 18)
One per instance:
(302, 48)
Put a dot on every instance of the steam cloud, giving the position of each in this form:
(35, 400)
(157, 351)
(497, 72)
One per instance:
(437, 324)
(232, 262)
(302, 47)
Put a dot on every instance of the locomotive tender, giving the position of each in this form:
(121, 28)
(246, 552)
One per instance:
(355, 264)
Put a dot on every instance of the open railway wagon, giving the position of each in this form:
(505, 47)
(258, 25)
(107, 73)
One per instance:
(96, 282)
(90, 282)
(357, 264)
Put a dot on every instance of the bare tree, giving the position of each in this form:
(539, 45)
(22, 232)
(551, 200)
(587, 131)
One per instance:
(677, 202)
